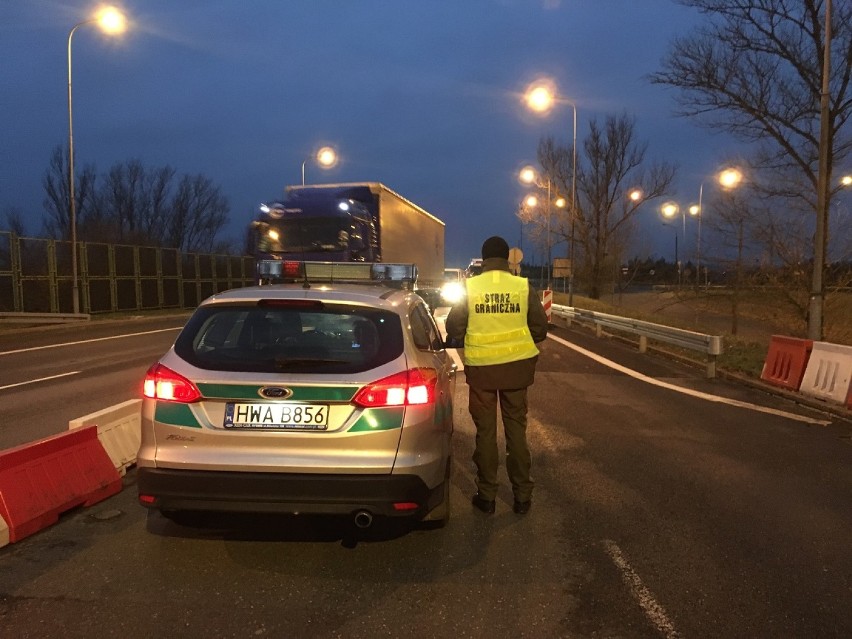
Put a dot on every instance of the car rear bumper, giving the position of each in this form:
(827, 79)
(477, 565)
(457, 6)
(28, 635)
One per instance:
(201, 490)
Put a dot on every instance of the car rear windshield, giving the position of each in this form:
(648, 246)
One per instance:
(285, 338)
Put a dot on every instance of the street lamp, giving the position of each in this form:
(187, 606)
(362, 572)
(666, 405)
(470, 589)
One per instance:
(540, 97)
(326, 158)
(728, 179)
(695, 211)
(112, 22)
(670, 210)
(528, 175)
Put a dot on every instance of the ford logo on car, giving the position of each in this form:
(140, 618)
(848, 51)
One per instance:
(275, 392)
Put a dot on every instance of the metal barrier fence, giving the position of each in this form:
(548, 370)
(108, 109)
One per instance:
(711, 345)
(35, 276)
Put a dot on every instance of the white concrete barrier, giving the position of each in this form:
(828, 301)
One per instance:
(119, 431)
(828, 373)
(4, 532)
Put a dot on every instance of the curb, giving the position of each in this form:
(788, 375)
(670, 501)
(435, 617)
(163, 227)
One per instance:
(809, 402)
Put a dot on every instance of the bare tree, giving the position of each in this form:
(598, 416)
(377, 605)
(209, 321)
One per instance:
(132, 205)
(136, 205)
(755, 70)
(613, 166)
(197, 212)
(15, 221)
(56, 203)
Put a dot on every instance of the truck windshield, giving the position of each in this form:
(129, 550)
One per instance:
(303, 234)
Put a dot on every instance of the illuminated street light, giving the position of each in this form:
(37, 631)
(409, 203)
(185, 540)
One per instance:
(669, 209)
(112, 22)
(325, 158)
(846, 180)
(730, 178)
(528, 175)
(635, 195)
(540, 97)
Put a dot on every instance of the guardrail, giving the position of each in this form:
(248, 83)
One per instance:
(711, 345)
(42, 318)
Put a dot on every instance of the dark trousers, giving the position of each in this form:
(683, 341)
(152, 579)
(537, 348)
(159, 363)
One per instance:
(513, 409)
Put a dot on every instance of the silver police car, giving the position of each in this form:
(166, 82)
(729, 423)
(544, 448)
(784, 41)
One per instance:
(329, 395)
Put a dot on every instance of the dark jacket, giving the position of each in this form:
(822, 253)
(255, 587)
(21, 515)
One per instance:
(508, 376)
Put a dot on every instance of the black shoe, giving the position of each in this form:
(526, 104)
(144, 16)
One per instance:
(485, 505)
(522, 507)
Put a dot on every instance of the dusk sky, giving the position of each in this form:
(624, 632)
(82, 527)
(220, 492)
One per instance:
(424, 97)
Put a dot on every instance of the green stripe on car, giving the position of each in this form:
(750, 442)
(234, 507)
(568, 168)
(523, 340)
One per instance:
(175, 414)
(374, 419)
(300, 393)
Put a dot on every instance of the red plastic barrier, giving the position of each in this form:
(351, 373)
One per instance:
(786, 361)
(40, 481)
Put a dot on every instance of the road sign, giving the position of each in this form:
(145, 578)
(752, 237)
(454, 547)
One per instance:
(515, 257)
(561, 267)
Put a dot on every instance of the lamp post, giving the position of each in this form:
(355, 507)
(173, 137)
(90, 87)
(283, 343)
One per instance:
(728, 179)
(670, 210)
(696, 211)
(528, 175)
(816, 303)
(112, 22)
(540, 98)
(531, 202)
(326, 158)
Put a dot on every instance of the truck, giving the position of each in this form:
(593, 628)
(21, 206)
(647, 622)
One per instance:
(351, 222)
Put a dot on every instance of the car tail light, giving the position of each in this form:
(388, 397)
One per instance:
(163, 383)
(414, 386)
(402, 506)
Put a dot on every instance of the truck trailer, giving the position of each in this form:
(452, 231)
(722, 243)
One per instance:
(353, 222)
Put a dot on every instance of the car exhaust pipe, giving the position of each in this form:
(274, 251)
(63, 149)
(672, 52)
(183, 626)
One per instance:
(363, 519)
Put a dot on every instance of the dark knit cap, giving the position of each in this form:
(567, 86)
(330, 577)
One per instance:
(495, 246)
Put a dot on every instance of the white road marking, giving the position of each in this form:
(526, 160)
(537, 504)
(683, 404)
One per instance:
(40, 379)
(88, 341)
(652, 609)
(687, 391)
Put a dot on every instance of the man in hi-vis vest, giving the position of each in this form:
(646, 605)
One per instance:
(500, 321)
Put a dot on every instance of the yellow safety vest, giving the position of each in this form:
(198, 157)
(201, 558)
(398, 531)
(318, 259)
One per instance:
(497, 330)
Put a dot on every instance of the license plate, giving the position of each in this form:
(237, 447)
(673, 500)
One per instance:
(277, 416)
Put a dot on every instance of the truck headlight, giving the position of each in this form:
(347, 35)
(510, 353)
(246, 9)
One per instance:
(452, 292)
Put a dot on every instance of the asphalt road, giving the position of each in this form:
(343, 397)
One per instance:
(657, 513)
(51, 375)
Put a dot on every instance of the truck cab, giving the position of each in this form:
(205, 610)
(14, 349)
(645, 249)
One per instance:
(317, 230)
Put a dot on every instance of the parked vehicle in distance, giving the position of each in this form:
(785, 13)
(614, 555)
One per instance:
(329, 395)
(352, 222)
(474, 268)
(453, 288)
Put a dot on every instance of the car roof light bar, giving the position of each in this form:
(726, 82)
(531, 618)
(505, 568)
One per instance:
(391, 274)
